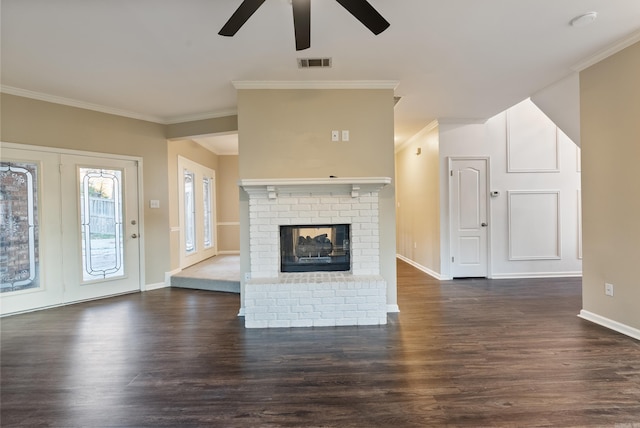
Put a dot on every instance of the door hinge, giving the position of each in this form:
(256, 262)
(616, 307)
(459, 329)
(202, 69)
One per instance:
(452, 259)
(451, 173)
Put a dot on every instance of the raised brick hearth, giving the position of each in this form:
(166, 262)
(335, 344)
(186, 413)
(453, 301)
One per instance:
(276, 299)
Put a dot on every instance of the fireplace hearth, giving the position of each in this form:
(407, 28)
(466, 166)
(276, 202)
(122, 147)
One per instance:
(315, 248)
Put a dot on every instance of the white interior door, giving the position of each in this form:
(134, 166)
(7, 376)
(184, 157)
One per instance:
(100, 222)
(196, 184)
(469, 217)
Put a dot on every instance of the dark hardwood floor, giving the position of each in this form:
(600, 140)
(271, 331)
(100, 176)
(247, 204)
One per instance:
(461, 353)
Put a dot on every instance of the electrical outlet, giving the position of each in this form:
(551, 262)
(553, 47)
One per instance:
(608, 289)
(247, 276)
(335, 135)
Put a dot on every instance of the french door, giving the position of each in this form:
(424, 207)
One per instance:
(196, 184)
(69, 228)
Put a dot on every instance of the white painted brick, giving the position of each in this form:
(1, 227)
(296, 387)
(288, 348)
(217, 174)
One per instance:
(310, 301)
(323, 293)
(283, 200)
(286, 303)
(279, 323)
(302, 323)
(255, 324)
(302, 309)
(324, 323)
(325, 308)
(267, 316)
(309, 200)
(288, 315)
(301, 208)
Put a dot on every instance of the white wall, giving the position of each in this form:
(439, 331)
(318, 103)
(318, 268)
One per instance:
(527, 191)
(533, 170)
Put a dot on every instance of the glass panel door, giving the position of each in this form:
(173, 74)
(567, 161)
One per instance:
(100, 222)
(30, 256)
(18, 226)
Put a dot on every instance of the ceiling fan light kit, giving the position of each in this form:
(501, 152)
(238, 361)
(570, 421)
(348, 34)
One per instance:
(360, 9)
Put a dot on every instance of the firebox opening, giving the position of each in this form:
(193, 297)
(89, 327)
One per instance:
(313, 248)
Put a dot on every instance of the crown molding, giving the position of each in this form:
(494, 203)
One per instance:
(316, 84)
(78, 104)
(607, 52)
(109, 110)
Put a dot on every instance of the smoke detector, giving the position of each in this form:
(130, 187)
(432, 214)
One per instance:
(584, 19)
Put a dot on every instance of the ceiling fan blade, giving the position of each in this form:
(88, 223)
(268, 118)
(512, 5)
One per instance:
(240, 16)
(302, 23)
(366, 14)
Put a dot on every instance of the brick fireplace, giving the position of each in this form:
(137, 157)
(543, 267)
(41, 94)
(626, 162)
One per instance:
(318, 298)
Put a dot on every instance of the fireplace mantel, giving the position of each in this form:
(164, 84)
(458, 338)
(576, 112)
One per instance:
(334, 186)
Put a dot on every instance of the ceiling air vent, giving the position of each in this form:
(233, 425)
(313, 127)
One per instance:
(314, 62)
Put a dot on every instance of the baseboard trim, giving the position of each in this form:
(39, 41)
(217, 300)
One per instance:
(229, 253)
(156, 286)
(525, 275)
(424, 269)
(393, 309)
(610, 324)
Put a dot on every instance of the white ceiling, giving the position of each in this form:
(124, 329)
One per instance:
(162, 60)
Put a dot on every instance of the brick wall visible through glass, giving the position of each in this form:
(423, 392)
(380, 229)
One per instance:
(18, 226)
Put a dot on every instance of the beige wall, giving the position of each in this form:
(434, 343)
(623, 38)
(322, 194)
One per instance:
(202, 127)
(287, 133)
(610, 134)
(228, 206)
(418, 196)
(39, 123)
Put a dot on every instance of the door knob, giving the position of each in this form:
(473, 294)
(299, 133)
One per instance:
(484, 225)
(134, 236)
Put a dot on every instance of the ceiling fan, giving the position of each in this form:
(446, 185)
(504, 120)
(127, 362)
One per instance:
(361, 9)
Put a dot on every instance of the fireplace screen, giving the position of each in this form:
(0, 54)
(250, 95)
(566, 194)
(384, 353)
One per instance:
(315, 248)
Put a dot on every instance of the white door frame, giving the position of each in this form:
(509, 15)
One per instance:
(450, 161)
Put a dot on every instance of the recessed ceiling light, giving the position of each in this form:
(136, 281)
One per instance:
(584, 19)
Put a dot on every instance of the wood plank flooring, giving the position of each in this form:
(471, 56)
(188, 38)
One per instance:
(467, 353)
